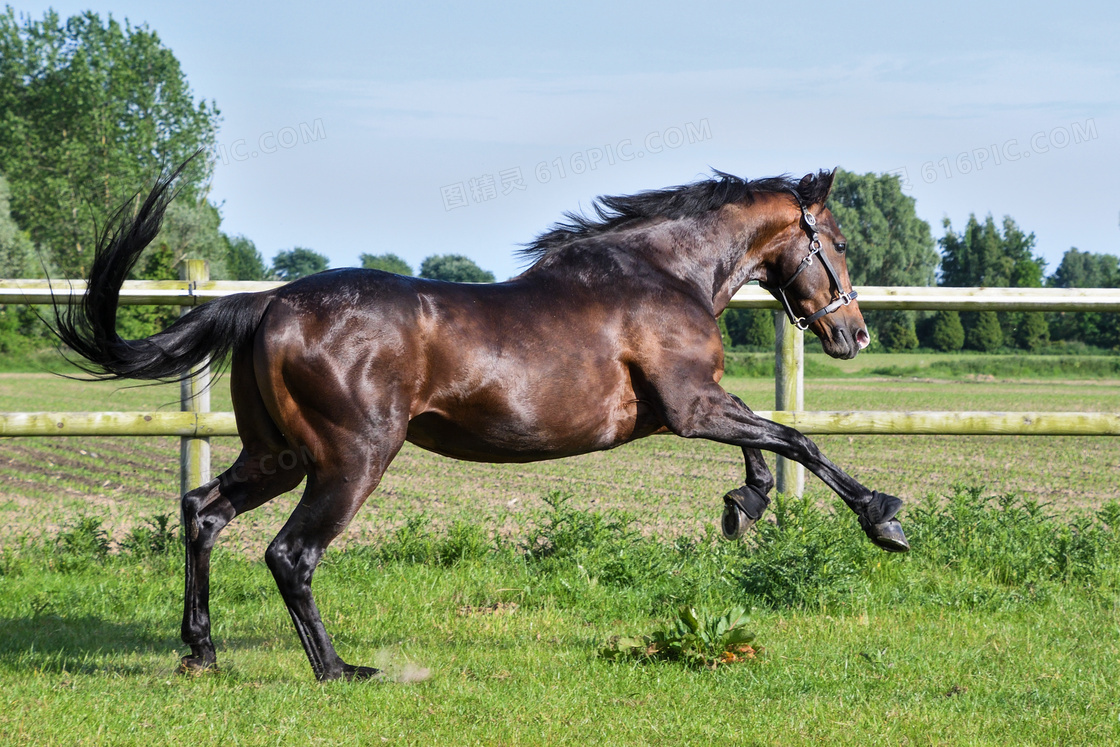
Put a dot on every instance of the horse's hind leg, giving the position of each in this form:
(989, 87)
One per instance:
(265, 468)
(338, 483)
(745, 505)
(254, 479)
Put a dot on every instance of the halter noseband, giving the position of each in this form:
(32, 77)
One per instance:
(809, 222)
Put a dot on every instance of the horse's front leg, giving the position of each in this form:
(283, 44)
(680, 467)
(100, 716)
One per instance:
(714, 414)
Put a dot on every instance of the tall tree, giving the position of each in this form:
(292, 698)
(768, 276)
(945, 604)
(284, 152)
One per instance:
(385, 262)
(983, 254)
(299, 262)
(16, 261)
(16, 254)
(888, 244)
(1086, 270)
(244, 261)
(752, 328)
(90, 111)
(455, 268)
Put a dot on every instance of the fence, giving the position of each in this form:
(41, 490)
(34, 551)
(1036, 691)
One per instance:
(195, 425)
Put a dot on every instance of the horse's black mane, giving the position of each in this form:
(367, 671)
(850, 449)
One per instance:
(685, 201)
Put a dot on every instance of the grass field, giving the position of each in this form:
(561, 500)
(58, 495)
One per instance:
(1001, 627)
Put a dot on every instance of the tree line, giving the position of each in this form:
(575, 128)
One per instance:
(92, 108)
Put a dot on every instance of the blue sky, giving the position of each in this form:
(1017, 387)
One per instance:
(421, 128)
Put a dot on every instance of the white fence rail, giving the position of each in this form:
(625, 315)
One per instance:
(195, 425)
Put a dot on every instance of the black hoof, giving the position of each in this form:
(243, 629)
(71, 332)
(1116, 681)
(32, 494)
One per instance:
(888, 535)
(195, 665)
(734, 523)
(879, 524)
(742, 508)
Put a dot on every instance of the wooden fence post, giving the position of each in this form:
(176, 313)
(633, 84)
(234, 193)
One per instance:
(789, 393)
(194, 453)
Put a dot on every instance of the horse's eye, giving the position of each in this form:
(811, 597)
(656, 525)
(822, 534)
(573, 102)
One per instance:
(841, 247)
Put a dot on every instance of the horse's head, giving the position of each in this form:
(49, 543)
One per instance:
(808, 272)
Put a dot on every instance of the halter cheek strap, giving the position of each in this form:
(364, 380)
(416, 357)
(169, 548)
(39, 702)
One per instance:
(843, 298)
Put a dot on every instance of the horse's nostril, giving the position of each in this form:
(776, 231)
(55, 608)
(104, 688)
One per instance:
(863, 339)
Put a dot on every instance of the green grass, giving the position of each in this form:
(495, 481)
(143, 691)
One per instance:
(1000, 628)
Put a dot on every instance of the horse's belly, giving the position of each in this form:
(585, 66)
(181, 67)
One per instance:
(488, 440)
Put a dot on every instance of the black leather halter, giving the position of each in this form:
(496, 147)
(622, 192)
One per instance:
(809, 222)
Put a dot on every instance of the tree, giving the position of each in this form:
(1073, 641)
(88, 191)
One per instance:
(244, 262)
(888, 244)
(947, 334)
(16, 261)
(455, 268)
(91, 111)
(984, 255)
(750, 327)
(985, 334)
(1031, 331)
(386, 263)
(896, 331)
(1086, 270)
(16, 252)
(297, 263)
(190, 231)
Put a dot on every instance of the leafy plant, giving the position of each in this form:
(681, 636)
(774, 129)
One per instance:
(83, 542)
(696, 640)
(157, 537)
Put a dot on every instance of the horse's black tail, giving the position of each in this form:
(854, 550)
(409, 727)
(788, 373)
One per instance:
(207, 332)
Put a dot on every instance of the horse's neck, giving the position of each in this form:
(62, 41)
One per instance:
(717, 254)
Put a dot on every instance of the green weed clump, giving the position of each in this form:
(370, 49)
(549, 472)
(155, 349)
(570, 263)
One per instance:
(156, 538)
(83, 542)
(694, 638)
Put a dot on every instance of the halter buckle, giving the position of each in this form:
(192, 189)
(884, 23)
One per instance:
(800, 323)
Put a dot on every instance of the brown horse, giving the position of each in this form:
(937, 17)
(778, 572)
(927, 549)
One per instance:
(611, 335)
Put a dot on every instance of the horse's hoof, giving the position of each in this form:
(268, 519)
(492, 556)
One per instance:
(742, 507)
(735, 523)
(888, 535)
(195, 665)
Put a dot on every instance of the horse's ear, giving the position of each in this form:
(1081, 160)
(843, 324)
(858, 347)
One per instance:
(814, 188)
